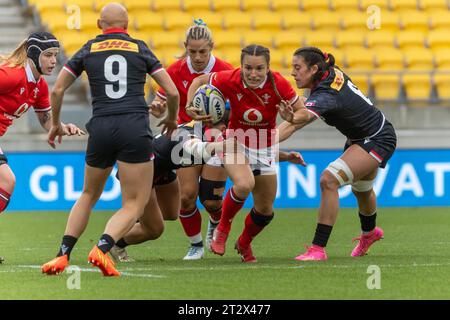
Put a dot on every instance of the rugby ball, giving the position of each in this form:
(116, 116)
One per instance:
(211, 101)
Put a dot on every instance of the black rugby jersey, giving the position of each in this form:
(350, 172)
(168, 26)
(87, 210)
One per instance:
(168, 151)
(116, 66)
(338, 102)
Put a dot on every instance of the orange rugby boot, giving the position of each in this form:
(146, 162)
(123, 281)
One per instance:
(103, 262)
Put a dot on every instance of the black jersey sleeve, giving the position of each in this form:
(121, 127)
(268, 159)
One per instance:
(152, 62)
(76, 64)
(321, 102)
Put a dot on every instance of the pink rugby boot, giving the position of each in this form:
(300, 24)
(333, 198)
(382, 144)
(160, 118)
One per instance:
(365, 241)
(313, 253)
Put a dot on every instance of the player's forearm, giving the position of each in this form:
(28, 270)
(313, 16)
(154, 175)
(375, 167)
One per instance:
(282, 156)
(56, 99)
(45, 119)
(172, 106)
(286, 129)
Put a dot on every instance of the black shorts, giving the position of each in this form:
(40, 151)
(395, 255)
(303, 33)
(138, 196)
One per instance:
(381, 147)
(164, 177)
(125, 137)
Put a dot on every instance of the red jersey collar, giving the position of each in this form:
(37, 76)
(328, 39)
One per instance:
(115, 30)
(325, 75)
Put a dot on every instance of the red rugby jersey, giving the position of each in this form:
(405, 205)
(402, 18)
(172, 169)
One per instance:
(18, 92)
(247, 111)
(182, 74)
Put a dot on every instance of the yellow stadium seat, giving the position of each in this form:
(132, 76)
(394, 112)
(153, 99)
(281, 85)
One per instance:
(440, 21)
(232, 56)
(389, 21)
(270, 21)
(89, 20)
(437, 40)
(285, 5)
(414, 20)
(314, 5)
(49, 5)
(193, 5)
(365, 4)
(401, 5)
(284, 40)
(169, 55)
(379, 39)
(326, 20)
(386, 86)
(99, 4)
(149, 21)
(419, 59)
(236, 20)
(214, 20)
(82, 4)
(72, 41)
(339, 55)
(350, 39)
(278, 60)
(354, 20)
(137, 5)
(417, 86)
(433, 5)
(442, 83)
(226, 5)
(56, 21)
(389, 59)
(410, 39)
(255, 5)
(224, 40)
(161, 40)
(177, 20)
(344, 5)
(359, 59)
(257, 37)
(299, 21)
(442, 59)
(166, 5)
(320, 39)
(144, 36)
(362, 82)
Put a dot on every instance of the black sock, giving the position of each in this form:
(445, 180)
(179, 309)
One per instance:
(368, 223)
(106, 243)
(198, 244)
(67, 244)
(322, 235)
(122, 243)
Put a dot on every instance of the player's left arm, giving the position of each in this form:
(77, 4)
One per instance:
(292, 157)
(45, 119)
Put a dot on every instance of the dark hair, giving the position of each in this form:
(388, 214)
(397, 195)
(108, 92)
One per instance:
(315, 56)
(256, 50)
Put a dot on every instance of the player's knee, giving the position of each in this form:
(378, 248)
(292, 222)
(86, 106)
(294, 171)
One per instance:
(212, 205)
(244, 187)
(171, 215)
(328, 182)
(188, 199)
(363, 187)
(155, 231)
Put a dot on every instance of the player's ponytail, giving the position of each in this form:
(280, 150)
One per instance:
(315, 56)
(17, 58)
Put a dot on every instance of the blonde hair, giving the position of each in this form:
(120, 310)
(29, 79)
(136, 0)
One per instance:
(198, 31)
(17, 58)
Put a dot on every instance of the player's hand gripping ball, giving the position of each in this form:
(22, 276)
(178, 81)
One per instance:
(211, 101)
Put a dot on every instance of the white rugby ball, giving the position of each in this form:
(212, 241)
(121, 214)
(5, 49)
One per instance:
(211, 101)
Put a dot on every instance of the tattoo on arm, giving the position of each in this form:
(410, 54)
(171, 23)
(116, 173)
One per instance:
(44, 118)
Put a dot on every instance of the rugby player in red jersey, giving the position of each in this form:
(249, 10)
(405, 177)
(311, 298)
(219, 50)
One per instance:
(22, 87)
(206, 181)
(254, 91)
(371, 141)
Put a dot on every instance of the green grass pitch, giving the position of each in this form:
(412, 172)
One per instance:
(413, 259)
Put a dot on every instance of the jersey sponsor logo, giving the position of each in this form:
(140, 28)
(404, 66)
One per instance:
(185, 83)
(239, 96)
(252, 116)
(338, 81)
(114, 44)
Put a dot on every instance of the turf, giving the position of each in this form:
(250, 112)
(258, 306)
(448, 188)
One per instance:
(413, 258)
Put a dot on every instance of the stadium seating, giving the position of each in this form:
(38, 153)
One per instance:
(390, 45)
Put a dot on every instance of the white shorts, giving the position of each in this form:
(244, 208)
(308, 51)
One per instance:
(262, 161)
(214, 161)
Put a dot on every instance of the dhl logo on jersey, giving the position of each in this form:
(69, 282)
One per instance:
(114, 44)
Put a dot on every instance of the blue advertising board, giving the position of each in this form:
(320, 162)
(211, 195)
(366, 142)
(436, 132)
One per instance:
(54, 180)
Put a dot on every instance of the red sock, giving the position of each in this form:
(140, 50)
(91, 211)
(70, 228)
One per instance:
(214, 216)
(191, 220)
(4, 199)
(230, 207)
(252, 229)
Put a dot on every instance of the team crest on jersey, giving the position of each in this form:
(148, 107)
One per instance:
(185, 83)
(22, 90)
(114, 44)
(266, 98)
(36, 91)
(239, 96)
(252, 116)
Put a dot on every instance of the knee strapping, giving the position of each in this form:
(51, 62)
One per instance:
(363, 185)
(340, 170)
(210, 190)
